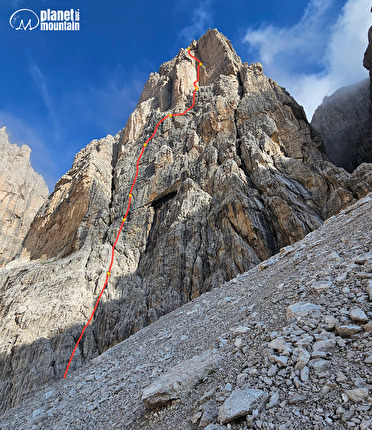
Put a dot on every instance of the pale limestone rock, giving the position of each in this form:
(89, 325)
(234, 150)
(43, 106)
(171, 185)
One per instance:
(215, 427)
(324, 345)
(240, 403)
(22, 192)
(274, 400)
(302, 360)
(282, 360)
(348, 330)
(78, 205)
(368, 359)
(304, 374)
(358, 315)
(302, 309)
(242, 330)
(330, 322)
(280, 345)
(219, 190)
(357, 395)
(319, 365)
(180, 380)
(105, 392)
(321, 286)
(369, 289)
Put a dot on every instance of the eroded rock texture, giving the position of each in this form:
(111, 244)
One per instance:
(220, 189)
(22, 192)
(80, 200)
(343, 120)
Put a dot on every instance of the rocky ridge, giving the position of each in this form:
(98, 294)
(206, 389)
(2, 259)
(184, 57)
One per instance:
(286, 345)
(22, 192)
(221, 189)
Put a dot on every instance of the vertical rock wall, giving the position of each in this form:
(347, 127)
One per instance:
(22, 192)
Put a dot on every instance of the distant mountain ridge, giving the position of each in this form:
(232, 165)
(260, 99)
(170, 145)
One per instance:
(343, 120)
(22, 192)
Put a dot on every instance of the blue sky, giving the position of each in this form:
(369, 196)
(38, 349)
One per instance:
(60, 90)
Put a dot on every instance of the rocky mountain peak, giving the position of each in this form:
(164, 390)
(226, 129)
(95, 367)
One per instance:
(12, 150)
(175, 77)
(219, 190)
(217, 54)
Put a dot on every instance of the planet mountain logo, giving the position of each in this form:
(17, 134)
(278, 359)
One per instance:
(47, 20)
(24, 19)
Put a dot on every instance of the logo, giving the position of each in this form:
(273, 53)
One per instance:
(49, 20)
(24, 19)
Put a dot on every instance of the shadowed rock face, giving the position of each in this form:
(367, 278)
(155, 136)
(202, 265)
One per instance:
(220, 189)
(343, 120)
(367, 62)
(22, 192)
(207, 362)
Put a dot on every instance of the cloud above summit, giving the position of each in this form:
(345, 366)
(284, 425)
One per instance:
(318, 54)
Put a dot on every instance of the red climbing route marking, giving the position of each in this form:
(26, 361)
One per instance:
(129, 203)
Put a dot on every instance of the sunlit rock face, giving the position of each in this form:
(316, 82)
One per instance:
(220, 189)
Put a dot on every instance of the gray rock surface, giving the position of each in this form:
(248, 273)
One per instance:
(358, 315)
(22, 192)
(180, 380)
(343, 120)
(240, 403)
(358, 394)
(106, 393)
(220, 190)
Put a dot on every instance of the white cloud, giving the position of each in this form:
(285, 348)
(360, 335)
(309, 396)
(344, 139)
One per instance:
(200, 19)
(317, 55)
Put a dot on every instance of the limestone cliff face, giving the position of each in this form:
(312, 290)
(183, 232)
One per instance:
(343, 120)
(220, 189)
(22, 192)
(80, 200)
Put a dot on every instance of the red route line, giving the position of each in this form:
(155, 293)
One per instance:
(129, 203)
